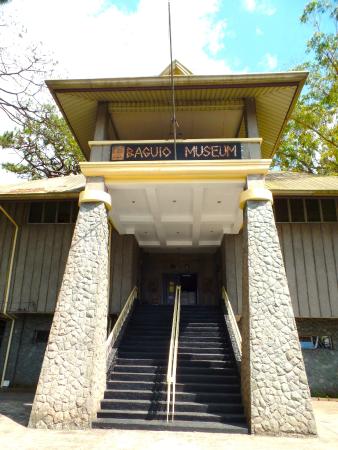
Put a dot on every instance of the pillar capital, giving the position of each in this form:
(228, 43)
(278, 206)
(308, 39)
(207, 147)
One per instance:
(95, 196)
(255, 193)
(95, 192)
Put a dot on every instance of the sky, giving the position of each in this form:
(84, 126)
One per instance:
(116, 38)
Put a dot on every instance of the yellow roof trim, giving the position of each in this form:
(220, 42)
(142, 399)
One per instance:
(178, 70)
(174, 171)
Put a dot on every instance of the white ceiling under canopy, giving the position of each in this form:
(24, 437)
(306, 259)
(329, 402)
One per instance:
(180, 215)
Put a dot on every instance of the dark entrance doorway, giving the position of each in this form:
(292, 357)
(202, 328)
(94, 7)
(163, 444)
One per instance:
(188, 282)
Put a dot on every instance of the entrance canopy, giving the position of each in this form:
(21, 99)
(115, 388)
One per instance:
(207, 106)
(183, 193)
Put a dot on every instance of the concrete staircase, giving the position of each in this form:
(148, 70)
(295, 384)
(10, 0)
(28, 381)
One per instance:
(208, 387)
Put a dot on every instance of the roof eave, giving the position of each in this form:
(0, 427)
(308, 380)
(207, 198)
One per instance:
(247, 79)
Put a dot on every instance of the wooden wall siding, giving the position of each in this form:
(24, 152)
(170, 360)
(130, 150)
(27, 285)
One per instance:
(39, 265)
(124, 269)
(40, 260)
(310, 253)
(311, 260)
(232, 261)
(17, 211)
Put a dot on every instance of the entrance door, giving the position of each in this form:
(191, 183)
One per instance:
(188, 288)
(188, 282)
(170, 280)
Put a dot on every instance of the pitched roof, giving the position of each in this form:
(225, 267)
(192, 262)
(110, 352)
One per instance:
(294, 183)
(280, 183)
(133, 103)
(178, 70)
(44, 188)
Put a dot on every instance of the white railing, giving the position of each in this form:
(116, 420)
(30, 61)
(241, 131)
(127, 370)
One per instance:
(172, 360)
(114, 334)
(233, 329)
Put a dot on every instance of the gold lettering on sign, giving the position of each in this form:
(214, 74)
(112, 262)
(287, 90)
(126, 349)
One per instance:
(138, 152)
(146, 152)
(205, 151)
(228, 150)
(186, 151)
(190, 151)
(130, 153)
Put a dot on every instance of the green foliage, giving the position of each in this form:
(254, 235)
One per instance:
(310, 141)
(45, 145)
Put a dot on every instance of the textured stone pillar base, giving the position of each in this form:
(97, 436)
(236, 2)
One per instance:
(274, 384)
(73, 374)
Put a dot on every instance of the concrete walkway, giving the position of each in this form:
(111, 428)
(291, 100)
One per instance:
(15, 408)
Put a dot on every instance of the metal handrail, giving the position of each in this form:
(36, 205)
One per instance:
(232, 319)
(119, 324)
(172, 360)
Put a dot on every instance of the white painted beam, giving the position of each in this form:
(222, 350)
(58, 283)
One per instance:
(154, 207)
(197, 204)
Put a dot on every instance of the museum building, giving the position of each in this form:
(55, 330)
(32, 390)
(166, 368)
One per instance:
(176, 283)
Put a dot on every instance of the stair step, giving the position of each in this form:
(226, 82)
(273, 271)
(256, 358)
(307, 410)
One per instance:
(153, 347)
(199, 397)
(139, 369)
(140, 355)
(137, 424)
(199, 334)
(149, 332)
(126, 376)
(141, 361)
(200, 345)
(208, 395)
(161, 415)
(181, 377)
(204, 356)
(197, 350)
(183, 363)
(205, 339)
(161, 405)
(207, 370)
(180, 387)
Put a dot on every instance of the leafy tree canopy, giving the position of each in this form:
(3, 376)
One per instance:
(45, 145)
(310, 142)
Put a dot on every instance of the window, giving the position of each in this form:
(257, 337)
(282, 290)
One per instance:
(314, 342)
(281, 209)
(312, 209)
(305, 210)
(297, 210)
(53, 212)
(40, 336)
(35, 212)
(329, 210)
(64, 212)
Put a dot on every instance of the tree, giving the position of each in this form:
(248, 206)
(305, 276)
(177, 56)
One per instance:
(46, 147)
(23, 69)
(310, 141)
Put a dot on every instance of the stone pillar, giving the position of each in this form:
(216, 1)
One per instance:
(73, 375)
(274, 384)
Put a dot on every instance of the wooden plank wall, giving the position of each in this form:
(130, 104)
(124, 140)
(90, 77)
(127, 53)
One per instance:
(310, 253)
(231, 254)
(40, 260)
(7, 230)
(124, 269)
(311, 261)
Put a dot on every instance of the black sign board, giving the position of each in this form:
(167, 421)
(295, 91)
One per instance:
(191, 151)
